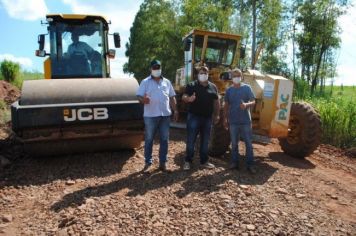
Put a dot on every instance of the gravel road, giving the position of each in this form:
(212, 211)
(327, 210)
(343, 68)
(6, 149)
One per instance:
(107, 194)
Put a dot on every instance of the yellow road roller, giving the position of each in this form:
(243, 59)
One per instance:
(77, 107)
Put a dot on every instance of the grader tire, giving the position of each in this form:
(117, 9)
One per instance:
(219, 139)
(304, 131)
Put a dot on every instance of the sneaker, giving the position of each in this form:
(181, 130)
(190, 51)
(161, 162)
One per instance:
(186, 165)
(252, 170)
(147, 168)
(208, 165)
(234, 166)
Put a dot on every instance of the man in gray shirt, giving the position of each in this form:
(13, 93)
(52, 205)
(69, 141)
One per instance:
(158, 96)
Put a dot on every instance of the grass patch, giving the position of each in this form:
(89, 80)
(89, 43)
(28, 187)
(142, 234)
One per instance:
(24, 75)
(338, 115)
(337, 108)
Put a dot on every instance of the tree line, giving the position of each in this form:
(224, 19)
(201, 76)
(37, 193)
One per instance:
(307, 28)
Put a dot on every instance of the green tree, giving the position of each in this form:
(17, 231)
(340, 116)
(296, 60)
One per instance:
(241, 24)
(154, 35)
(159, 26)
(273, 36)
(9, 70)
(212, 15)
(319, 36)
(260, 21)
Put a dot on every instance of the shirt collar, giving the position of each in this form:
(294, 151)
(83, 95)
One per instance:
(161, 77)
(199, 84)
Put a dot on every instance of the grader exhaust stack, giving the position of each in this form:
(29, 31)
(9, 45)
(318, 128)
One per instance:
(77, 107)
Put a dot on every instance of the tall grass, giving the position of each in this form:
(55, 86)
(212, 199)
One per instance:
(24, 75)
(338, 115)
(337, 108)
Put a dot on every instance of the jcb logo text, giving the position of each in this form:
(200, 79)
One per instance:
(85, 114)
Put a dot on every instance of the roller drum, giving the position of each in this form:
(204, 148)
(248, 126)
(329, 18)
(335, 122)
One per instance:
(62, 91)
(66, 116)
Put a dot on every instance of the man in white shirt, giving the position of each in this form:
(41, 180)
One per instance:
(158, 96)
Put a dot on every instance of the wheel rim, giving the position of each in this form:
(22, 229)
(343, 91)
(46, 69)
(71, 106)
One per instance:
(294, 130)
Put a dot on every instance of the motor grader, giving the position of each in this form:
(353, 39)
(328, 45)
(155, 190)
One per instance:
(77, 107)
(275, 115)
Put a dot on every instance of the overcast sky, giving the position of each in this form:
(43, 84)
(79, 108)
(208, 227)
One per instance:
(20, 25)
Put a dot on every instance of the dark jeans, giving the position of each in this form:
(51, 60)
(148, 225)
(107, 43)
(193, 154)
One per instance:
(198, 125)
(152, 125)
(246, 132)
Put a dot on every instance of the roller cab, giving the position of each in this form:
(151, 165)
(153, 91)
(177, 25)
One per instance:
(77, 107)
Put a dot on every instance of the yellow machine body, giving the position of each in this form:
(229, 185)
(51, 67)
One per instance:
(273, 93)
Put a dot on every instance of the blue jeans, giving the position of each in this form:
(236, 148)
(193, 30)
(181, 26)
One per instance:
(202, 125)
(245, 131)
(152, 124)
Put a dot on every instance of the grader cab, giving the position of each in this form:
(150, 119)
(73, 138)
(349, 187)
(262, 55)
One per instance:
(296, 125)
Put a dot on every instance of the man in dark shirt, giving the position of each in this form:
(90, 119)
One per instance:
(203, 106)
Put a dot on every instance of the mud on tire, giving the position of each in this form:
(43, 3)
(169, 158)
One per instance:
(304, 131)
(219, 139)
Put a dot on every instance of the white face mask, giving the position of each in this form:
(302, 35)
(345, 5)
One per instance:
(202, 77)
(236, 80)
(156, 73)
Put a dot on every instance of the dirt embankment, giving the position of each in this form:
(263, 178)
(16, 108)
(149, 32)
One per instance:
(8, 95)
(107, 194)
(8, 92)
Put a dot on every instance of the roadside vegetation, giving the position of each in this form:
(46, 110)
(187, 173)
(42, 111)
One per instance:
(337, 108)
(12, 73)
